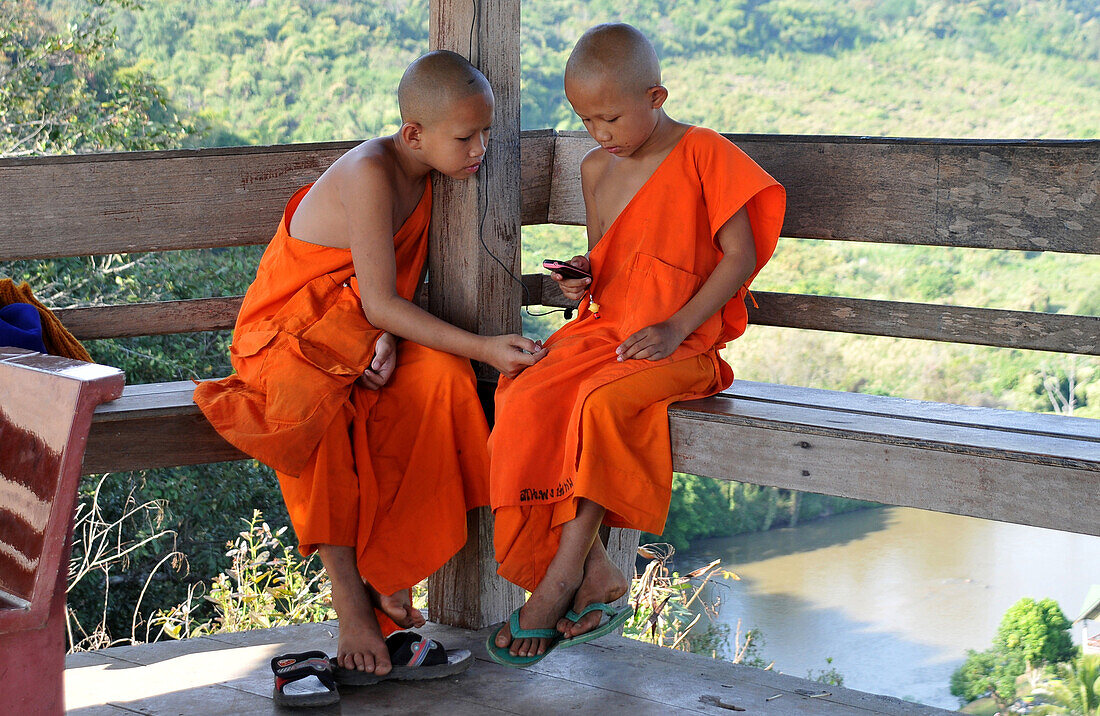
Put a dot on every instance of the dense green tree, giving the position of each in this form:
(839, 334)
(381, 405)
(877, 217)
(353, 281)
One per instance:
(1038, 632)
(1032, 635)
(68, 90)
(988, 673)
(268, 71)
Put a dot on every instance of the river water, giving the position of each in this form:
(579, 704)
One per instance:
(895, 596)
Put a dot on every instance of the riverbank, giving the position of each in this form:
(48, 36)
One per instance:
(702, 508)
(895, 596)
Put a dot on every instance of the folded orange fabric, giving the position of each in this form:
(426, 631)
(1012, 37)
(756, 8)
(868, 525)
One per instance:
(648, 264)
(391, 472)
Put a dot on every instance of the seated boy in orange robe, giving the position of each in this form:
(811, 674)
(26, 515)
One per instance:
(679, 222)
(357, 397)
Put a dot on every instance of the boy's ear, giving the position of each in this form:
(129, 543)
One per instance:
(657, 94)
(411, 133)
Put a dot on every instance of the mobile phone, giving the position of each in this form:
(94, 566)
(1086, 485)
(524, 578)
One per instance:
(566, 269)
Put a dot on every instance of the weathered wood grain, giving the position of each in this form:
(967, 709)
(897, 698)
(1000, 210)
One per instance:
(1027, 330)
(473, 255)
(151, 319)
(969, 439)
(154, 425)
(537, 157)
(1033, 195)
(953, 324)
(230, 673)
(789, 455)
(997, 419)
(151, 201)
(1042, 468)
(1038, 195)
(185, 199)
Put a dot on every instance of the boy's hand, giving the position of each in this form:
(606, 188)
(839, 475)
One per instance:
(574, 288)
(381, 367)
(510, 354)
(651, 343)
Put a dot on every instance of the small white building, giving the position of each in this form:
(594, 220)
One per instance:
(1090, 611)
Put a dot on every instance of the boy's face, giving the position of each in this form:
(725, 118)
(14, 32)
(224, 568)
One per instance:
(455, 143)
(620, 121)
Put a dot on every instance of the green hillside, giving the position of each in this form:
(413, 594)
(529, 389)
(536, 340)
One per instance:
(268, 71)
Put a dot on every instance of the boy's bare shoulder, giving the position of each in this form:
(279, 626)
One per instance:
(366, 168)
(594, 163)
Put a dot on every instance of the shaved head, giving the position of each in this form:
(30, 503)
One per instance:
(434, 82)
(617, 52)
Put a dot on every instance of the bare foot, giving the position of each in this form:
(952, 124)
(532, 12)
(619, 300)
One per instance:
(544, 608)
(360, 644)
(603, 582)
(398, 606)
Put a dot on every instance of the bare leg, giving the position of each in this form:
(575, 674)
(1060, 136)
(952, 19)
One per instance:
(556, 591)
(603, 582)
(398, 606)
(360, 644)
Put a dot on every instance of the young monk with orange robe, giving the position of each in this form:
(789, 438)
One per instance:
(679, 223)
(357, 397)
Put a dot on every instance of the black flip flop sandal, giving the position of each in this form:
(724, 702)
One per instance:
(304, 680)
(413, 657)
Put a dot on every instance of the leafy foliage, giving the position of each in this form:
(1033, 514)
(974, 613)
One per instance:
(702, 507)
(1075, 690)
(1031, 635)
(988, 673)
(1036, 631)
(80, 75)
(267, 585)
(66, 91)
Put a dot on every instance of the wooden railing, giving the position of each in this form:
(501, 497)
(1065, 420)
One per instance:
(1028, 195)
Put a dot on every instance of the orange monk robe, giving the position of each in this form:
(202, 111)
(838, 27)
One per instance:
(581, 424)
(390, 472)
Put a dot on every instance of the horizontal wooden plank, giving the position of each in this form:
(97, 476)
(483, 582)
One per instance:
(960, 438)
(1033, 195)
(1061, 498)
(151, 201)
(185, 199)
(889, 450)
(1028, 330)
(173, 438)
(1048, 424)
(151, 319)
(953, 324)
(1037, 195)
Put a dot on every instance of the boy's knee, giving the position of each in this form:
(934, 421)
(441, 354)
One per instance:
(430, 368)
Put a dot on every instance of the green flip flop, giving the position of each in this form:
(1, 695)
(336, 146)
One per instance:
(617, 617)
(501, 655)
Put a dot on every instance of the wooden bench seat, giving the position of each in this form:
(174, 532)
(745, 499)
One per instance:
(983, 462)
(1030, 195)
(999, 464)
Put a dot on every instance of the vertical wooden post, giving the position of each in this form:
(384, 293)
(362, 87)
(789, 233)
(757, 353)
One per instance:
(467, 286)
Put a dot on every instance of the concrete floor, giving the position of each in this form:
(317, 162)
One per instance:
(230, 674)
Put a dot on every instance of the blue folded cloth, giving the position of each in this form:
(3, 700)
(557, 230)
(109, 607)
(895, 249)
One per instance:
(21, 327)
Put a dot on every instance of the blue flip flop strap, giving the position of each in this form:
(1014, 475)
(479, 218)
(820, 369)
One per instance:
(593, 607)
(519, 633)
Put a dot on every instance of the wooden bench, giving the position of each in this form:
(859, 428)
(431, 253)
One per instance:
(46, 408)
(1026, 195)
